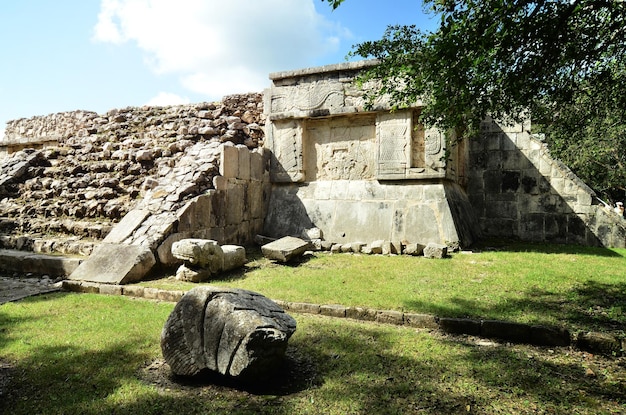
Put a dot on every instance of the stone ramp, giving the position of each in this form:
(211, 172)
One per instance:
(39, 264)
(115, 264)
(132, 176)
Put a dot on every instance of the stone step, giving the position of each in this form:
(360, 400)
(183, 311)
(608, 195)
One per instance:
(40, 264)
(58, 245)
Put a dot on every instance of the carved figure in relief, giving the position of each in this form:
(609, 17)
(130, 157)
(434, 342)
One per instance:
(432, 142)
(317, 96)
(392, 144)
(287, 149)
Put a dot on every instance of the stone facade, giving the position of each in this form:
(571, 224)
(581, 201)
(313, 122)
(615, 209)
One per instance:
(358, 174)
(363, 174)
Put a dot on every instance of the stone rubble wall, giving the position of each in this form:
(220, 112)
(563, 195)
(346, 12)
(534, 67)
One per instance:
(89, 171)
(45, 130)
(518, 190)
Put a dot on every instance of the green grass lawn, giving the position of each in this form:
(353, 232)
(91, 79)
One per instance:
(577, 287)
(93, 354)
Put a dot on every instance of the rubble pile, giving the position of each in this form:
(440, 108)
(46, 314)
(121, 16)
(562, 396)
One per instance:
(81, 172)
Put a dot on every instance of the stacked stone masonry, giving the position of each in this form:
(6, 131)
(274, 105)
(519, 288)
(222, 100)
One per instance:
(77, 174)
(309, 153)
(360, 173)
(518, 190)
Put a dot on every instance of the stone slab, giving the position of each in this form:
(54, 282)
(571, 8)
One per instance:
(115, 264)
(14, 289)
(126, 226)
(285, 249)
(39, 264)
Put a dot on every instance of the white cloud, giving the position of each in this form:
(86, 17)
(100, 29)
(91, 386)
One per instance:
(220, 47)
(167, 98)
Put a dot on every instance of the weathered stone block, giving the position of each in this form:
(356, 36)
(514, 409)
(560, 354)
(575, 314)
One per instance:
(549, 336)
(164, 251)
(514, 332)
(235, 203)
(229, 161)
(243, 163)
(150, 293)
(413, 249)
(285, 249)
(603, 343)
(200, 252)
(360, 313)
(396, 247)
(460, 326)
(193, 274)
(305, 308)
(196, 214)
(115, 264)
(257, 166)
(390, 317)
(234, 257)
(433, 250)
(332, 310)
(377, 247)
(109, 289)
(133, 290)
(425, 321)
(131, 221)
(236, 333)
(170, 296)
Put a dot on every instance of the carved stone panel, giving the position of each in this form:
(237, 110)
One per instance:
(286, 144)
(434, 149)
(307, 100)
(341, 148)
(393, 131)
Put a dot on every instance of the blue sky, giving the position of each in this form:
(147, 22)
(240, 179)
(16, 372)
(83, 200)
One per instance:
(64, 55)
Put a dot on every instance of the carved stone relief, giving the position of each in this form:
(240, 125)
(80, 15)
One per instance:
(393, 132)
(308, 98)
(286, 141)
(341, 148)
(418, 152)
(434, 150)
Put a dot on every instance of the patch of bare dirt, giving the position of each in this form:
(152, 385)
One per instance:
(6, 369)
(297, 373)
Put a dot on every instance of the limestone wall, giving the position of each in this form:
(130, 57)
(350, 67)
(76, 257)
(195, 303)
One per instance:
(518, 190)
(362, 173)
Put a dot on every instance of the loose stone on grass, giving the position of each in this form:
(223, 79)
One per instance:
(233, 332)
(434, 250)
(285, 249)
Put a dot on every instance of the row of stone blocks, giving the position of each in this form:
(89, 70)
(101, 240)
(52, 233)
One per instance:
(600, 343)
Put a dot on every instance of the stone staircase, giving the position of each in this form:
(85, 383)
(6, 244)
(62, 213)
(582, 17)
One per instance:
(79, 174)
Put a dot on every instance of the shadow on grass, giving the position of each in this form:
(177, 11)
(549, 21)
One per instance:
(545, 248)
(356, 368)
(591, 306)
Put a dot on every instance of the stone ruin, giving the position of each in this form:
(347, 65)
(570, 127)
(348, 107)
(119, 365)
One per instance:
(233, 332)
(304, 158)
(364, 175)
(134, 178)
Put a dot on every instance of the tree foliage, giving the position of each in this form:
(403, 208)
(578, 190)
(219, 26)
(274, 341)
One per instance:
(561, 62)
